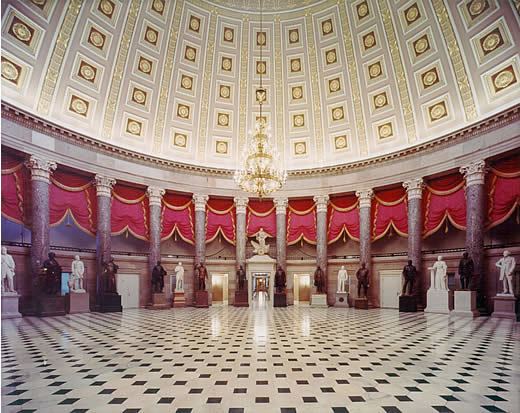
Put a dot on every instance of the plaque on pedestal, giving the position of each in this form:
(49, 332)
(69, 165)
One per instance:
(504, 306)
(10, 305)
(50, 305)
(341, 300)
(201, 299)
(159, 302)
(280, 300)
(178, 299)
(408, 303)
(77, 302)
(241, 299)
(108, 303)
(439, 301)
(319, 300)
(466, 303)
(361, 303)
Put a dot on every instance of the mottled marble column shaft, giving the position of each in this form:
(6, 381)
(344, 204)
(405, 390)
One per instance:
(104, 187)
(154, 200)
(200, 245)
(414, 189)
(365, 225)
(281, 231)
(241, 236)
(321, 241)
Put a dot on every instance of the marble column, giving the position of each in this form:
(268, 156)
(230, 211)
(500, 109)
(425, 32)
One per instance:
(154, 201)
(41, 170)
(281, 231)
(241, 236)
(365, 225)
(200, 245)
(414, 188)
(321, 241)
(474, 174)
(104, 187)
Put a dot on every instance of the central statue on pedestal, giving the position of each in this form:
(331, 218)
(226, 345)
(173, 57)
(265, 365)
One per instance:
(319, 280)
(279, 280)
(260, 247)
(439, 276)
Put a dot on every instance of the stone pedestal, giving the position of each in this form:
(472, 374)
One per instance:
(50, 305)
(108, 303)
(201, 299)
(178, 299)
(10, 305)
(504, 306)
(361, 303)
(319, 300)
(341, 300)
(241, 299)
(159, 302)
(466, 303)
(77, 302)
(407, 303)
(439, 301)
(280, 300)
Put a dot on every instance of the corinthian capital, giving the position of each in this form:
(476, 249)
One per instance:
(241, 204)
(321, 203)
(104, 185)
(155, 195)
(41, 168)
(414, 188)
(365, 197)
(200, 202)
(474, 172)
(281, 205)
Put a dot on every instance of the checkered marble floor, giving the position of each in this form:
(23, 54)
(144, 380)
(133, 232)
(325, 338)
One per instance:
(226, 359)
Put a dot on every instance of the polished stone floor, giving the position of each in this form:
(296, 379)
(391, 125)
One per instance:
(226, 359)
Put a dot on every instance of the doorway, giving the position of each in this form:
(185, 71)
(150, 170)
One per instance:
(260, 287)
(128, 288)
(390, 288)
(302, 288)
(219, 289)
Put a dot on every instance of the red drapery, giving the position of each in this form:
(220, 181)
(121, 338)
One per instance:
(220, 219)
(343, 218)
(261, 215)
(444, 198)
(301, 221)
(14, 185)
(177, 217)
(74, 195)
(389, 210)
(503, 185)
(130, 211)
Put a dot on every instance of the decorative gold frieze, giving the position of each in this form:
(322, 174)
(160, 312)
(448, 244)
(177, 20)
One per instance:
(244, 58)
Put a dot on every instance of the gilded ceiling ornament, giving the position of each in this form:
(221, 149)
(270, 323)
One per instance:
(10, 71)
(430, 77)
(190, 53)
(491, 42)
(106, 7)
(261, 95)
(380, 100)
(223, 119)
(180, 140)
(228, 34)
(133, 127)
(340, 142)
(158, 6)
(260, 67)
(294, 36)
(297, 92)
(369, 40)
(421, 45)
(296, 65)
(139, 96)
(476, 7)
(145, 65)
(227, 64)
(78, 105)
(194, 24)
(504, 78)
(412, 14)
(298, 121)
(374, 70)
(225, 91)
(438, 111)
(186, 82)
(331, 57)
(21, 31)
(385, 131)
(261, 39)
(96, 38)
(334, 85)
(183, 111)
(87, 71)
(300, 148)
(222, 147)
(337, 113)
(151, 35)
(326, 27)
(39, 3)
(362, 10)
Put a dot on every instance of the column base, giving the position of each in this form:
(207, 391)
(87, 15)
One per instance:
(108, 303)
(50, 305)
(280, 300)
(466, 303)
(341, 300)
(201, 299)
(407, 304)
(10, 305)
(361, 303)
(159, 302)
(504, 306)
(319, 300)
(77, 302)
(241, 299)
(439, 301)
(178, 300)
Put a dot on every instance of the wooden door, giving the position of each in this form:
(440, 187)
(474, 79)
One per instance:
(217, 290)
(304, 288)
(390, 288)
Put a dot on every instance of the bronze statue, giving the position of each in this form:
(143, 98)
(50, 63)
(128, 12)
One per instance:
(241, 277)
(279, 280)
(52, 272)
(465, 271)
(409, 274)
(158, 274)
(109, 276)
(363, 281)
(319, 280)
(202, 275)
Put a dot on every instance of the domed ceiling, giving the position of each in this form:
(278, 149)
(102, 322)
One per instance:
(346, 79)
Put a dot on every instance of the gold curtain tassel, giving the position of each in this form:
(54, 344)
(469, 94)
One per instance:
(446, 227)
(301, 242)
(344, 237)
(518, 214)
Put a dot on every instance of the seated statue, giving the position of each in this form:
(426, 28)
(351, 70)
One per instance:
(260, 247)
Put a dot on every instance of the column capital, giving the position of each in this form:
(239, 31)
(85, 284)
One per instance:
(241, 204)
(414, 188)
(365, 197)
(41, 168)
(321, 202)
(104, 185)
(474, 172)
(281, 205)
(200, 202)
(155, 195)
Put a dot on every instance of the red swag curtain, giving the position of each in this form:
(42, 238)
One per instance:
(261, 215)
(220, 218)
(15, 180)
(130, 211)
(343, 218)
(389, 210)
(177, 217)
(301, 221)
(503, 184)
(74, 195)
(444, 198)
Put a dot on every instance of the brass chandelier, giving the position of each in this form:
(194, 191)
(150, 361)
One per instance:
(262, 171)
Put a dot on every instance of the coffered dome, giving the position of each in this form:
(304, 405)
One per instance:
(346, 80)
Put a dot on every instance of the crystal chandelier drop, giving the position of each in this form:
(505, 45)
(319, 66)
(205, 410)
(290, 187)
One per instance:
(261, 172)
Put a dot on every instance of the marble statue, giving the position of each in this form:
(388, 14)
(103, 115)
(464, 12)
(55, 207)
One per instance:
(363, 280)
(260, 247)
(319, 280)
(76, 276)
(465, 271)
(507, 265)
(8, 267)
(279, 280)
(202, 275)
(439, 275)
(241, 277)
(108, 277)
(409, 274)
(158, 274)
(342, 280)
(179, 277)
(52, 272)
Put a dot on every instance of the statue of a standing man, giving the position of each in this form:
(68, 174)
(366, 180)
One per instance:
(279, 279)
(158, 274)
(439, 275)
(342, 280)
(77, 273)
(465, 271)
(319, 280)
(8, 267)
(363, 281)
(241, 277)
(52, 274)
(179, 277)
(409, 274)
(202, 276)
(507, 265)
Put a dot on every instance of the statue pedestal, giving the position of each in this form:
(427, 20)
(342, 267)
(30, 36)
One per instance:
(361, 303)
(341, 300)
(241, 298)
(159, 302)
(504, 306)
(319, 300)
(280, 300)
(439, 301)
(108, 303)
(466, 303)
(10, 305)
(178, 299)
(201, 299)
(50, 305)
(78, 302)
(407, 303)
